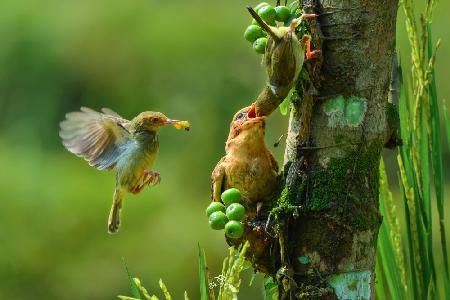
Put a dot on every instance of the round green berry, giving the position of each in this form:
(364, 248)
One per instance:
(260, 45)
(268, 14)
(253, 32)
(230, 196)
(213, 207)
(236, 212)
(283, 13)
(262, 4)
(217, 220)
(234, 229)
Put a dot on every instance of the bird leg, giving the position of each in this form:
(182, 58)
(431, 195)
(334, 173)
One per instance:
(147, 177)
(307, 40)
(297, 20)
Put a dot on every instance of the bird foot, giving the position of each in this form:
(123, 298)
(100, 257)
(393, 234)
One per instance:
(151, 177)
(307, 41)
(303, 16)
(147, 177)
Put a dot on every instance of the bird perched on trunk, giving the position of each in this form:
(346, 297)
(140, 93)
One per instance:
(107, 141)
(248, 165)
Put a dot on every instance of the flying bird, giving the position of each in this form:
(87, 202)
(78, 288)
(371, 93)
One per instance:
(108, 141)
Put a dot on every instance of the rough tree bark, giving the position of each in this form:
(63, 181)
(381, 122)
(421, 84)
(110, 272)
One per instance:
(327, 216)
(336, 181)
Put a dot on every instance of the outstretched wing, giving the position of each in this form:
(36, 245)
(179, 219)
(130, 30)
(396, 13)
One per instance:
(97, 137)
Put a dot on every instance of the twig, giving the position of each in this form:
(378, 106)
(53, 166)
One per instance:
(263, 24)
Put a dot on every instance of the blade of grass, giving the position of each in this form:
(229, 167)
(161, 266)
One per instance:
(203, 274)
(447, 123)
(411, 291)
(436, 156)
(134, 289)
(390, 248)
(413, 224)
(380, 289)
(425, 226)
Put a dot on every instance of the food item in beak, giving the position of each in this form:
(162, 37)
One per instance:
(180, 124)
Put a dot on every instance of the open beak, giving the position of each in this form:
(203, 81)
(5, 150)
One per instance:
(252, 112)
(179, 124)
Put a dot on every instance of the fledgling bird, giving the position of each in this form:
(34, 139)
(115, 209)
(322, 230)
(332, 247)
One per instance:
(248, 165)
(108, 141)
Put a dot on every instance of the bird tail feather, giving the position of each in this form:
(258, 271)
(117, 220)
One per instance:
(114, 214)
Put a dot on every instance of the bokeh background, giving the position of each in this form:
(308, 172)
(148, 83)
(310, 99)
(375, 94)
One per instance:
(187, 59)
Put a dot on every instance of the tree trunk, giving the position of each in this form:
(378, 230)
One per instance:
(332, 166)
(319, 239)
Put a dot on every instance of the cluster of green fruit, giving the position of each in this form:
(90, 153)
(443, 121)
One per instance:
(227, 216)
(269, 14)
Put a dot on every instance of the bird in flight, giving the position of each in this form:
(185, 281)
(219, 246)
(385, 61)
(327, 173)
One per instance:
(108, 141)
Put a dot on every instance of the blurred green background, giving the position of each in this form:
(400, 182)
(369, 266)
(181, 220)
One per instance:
(187, 59)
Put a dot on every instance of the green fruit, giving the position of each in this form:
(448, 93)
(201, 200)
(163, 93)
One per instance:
(262, 4)
(253, 32)
(260, 45)
(234, 229)
(268, 14)
(217, 220)
(213, 207)
(235, 212)
(283, 13)
(230, 196)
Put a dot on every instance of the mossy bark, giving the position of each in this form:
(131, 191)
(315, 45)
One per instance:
(332, 155)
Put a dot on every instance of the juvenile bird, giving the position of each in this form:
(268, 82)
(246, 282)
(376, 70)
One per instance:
(248, 165)
(108, 141)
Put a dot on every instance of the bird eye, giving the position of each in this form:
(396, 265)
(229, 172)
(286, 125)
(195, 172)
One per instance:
(240, 116)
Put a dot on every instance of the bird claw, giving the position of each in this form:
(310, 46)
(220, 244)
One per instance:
(307, 41)
(151, 177)
(147, 177)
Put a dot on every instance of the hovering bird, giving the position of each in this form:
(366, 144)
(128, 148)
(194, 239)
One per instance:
(248, 165)
(108, 141)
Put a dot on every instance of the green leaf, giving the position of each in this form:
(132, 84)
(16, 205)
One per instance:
(270, 289)
(436, 156)
(203, 274)
(284, 106)
(389, 249)
(134, 289)
(447, 124)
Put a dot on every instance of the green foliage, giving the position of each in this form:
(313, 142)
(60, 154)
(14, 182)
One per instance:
(229, 282)
(270, 289)
(233, 265)
(134, 289)
(390, 259)
(138, 290)
(203, 274)
(447, 124)
(411, 257)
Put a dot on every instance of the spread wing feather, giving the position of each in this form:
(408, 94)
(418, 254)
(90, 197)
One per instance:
(97, 137)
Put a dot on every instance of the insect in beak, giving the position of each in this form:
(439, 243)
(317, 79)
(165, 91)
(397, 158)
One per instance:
(178, 124)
